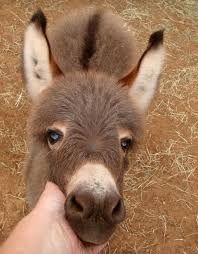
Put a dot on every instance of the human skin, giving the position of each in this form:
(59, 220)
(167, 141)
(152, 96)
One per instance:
(45, 230)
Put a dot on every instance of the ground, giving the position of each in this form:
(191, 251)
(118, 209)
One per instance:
(161, 187)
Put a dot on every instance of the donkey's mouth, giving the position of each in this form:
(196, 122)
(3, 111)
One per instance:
(92, 232)
(89, 240)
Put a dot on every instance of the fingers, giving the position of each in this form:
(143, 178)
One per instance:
(51, 205)
(51, 201)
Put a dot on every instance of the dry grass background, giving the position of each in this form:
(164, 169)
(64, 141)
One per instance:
(161, 187)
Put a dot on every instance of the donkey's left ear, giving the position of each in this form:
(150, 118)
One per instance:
(142, 81)
(38, 64)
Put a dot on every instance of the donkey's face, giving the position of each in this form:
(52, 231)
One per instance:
(81, 129)
(84, 125)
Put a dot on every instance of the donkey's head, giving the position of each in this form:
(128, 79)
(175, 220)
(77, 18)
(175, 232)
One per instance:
(81, 128)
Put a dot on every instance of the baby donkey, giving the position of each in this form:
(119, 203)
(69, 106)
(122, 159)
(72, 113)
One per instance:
(90, 94)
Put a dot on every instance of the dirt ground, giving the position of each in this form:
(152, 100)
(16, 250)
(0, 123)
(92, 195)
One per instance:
(161, 187)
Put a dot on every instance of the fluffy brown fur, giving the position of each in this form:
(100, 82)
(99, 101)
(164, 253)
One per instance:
(94, 106)
(90, 51)
(114, 51)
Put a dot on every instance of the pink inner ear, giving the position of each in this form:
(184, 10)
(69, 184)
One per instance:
(155, 40)
(128, 80)
(40, 21)
(56, 71)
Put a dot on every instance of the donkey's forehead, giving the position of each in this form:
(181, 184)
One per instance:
(88, 100)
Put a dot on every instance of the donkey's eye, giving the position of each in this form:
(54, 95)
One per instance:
(54, 136)
(126, 143)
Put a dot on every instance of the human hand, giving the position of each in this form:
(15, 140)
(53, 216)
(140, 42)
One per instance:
(45, 231)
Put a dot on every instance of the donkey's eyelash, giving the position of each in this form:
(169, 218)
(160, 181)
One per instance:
(55, 130)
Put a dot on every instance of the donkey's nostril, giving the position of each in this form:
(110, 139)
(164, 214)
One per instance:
(116, 209)
(76, 205)
(79, 205)
(118, 212)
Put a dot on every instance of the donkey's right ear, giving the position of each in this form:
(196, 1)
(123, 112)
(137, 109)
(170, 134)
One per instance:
(38, 64)
(143, 79)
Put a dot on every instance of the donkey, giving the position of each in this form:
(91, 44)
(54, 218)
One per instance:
(90, 94)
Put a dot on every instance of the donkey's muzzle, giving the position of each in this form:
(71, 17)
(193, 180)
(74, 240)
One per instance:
(94, 217)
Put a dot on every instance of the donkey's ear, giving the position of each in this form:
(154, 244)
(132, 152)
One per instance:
(142, 81)
(38, 63)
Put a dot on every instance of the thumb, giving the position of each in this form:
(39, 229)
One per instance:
(51, 200)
